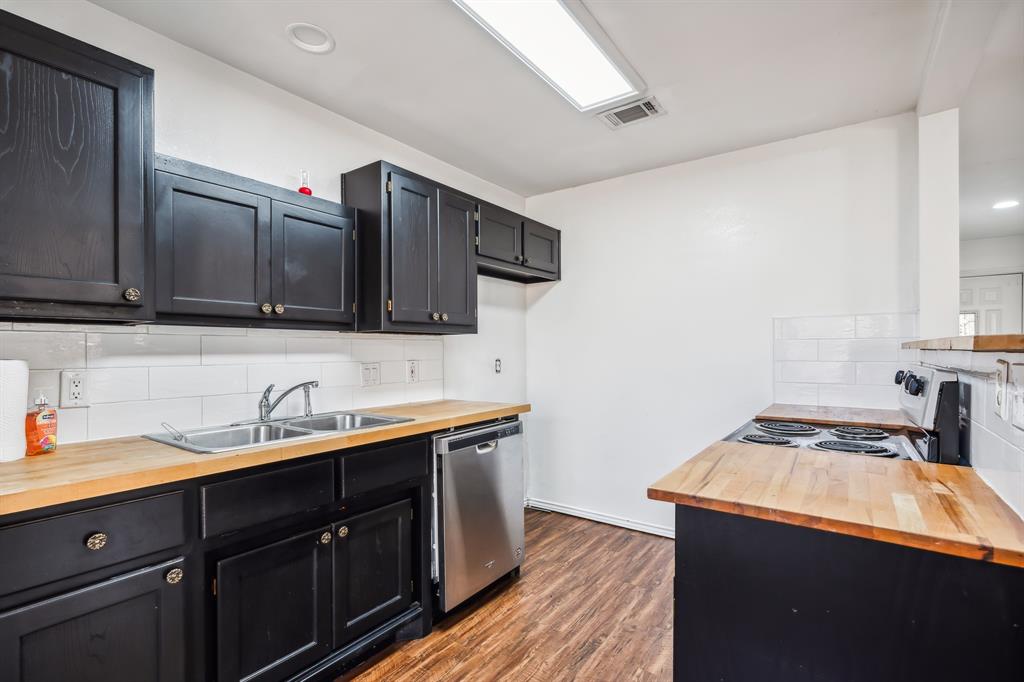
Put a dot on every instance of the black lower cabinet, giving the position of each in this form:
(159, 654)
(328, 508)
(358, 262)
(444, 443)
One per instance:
(127, 629)
(274, 608)
(372, 570)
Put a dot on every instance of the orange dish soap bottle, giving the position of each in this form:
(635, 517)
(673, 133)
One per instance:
(41, 428)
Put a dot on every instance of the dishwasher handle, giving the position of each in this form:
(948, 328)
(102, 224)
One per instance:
(487, 448)
(472, 438)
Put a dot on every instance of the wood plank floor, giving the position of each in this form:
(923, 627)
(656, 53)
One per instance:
(593, 604)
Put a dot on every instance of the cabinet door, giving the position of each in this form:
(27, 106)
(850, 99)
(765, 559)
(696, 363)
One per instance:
(274, 608)
(372, 570)
(75, 167)
(212, 249)
(314, 262)
(413, 207)
(126, 629)
(501, 234)
(456, 291)
(540, 246)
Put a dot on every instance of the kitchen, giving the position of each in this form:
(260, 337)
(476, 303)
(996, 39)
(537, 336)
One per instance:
(481, 260)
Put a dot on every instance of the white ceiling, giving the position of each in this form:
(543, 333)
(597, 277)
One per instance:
(731, 75)
(992, 134)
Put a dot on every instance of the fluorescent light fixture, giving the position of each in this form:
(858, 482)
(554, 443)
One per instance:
(563, 44)
(1009, 203)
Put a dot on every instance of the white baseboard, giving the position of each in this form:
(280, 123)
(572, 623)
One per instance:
(643, 527)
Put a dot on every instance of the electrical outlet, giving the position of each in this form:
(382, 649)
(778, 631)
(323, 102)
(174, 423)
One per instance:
(1015, 394)
(73, 389)
(369, 374)
(412, 372)
(1001, 408)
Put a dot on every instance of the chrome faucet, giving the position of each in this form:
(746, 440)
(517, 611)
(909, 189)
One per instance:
(267, 407)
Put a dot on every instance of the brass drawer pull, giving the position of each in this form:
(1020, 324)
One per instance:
(435, 317)
(279, 308)
(343, 531)
(131, 294)
(266, 308)
(96, 541)
(174, 576)
(325, 538)
(444, 317)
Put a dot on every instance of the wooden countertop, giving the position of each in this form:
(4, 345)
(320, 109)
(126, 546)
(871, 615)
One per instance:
(102, 467)
(837, 416)
(936, 507)
(1005, 343)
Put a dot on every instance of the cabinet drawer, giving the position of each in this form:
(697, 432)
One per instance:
(40, 552)
(251, 500)
(382, 467)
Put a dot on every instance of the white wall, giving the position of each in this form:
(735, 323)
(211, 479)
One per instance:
(939, 223)
(992, 256)
(658, 340)
(211, 113)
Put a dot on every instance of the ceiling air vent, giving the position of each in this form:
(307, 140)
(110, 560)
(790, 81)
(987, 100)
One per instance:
(631, 113)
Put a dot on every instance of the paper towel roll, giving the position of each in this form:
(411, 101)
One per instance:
(13, 402)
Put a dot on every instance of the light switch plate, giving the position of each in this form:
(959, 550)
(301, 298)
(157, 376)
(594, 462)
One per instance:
(1015, 395)
(1000, 406)
(73, 390)
(369, 374)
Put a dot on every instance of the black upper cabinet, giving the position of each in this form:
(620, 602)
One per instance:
(274, 608)
(76, 134)
(416, 252)
(235, 251)
(517, 248)
(372, 570)
(127, 629)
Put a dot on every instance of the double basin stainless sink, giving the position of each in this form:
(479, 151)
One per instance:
(237, 436)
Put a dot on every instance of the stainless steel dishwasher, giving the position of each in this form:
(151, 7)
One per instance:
(478, 533)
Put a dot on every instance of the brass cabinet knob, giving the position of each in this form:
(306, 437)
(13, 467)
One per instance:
(343, 531)
(96, 541)
(174, 576)
(436, 316)
(278, 308)
(325, 538)
(266, 308)
(131, 294)
(444, 317)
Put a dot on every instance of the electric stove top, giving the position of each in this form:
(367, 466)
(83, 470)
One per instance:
(859, 441)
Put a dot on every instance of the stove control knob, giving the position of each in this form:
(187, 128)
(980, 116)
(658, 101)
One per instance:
(915, 385)
(899, 376)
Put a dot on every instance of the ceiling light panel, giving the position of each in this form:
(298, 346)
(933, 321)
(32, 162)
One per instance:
(1008, 203)
(552, 40)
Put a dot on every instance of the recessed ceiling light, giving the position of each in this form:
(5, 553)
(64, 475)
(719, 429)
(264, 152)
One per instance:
(1008, 203)
(563, 44)
(310, 38)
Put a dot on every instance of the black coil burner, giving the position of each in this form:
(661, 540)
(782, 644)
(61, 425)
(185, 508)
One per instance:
(858, 433)
(768, 439)
(853, 447)
(788, 428)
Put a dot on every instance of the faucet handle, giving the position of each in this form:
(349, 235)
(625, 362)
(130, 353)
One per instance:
(267, 391)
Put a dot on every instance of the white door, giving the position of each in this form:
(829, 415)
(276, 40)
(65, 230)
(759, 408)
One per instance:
(990, 304)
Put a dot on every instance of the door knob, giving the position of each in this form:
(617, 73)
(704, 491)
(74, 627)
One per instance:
(444, 317)
(278, 308)
(343, 531)
(436, 317)
(131, 294)
(96, 541)
(325, 538)
(174, 576)
(266, 308)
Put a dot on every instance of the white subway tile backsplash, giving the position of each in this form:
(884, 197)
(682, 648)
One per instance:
(110, 420)
(195, 331)
(392, 372)
(44, 350)
(314, 349)
(5, 325)
(141, 350)
(374, 396)
(72, 425)
(117, 384)
(817, 372)
(247, 350)
(423, 391)
(1000, 464)
(878, 373)
(227, 409)
(796, 394)
(197, 380)
(324, 399)
(844, 395)
(65, 328)
(832, 327)
(859, 349)
(340, 374)
(431, 370)
(283, 376)
(45, 381)
(796, 349)
(424, 349)
(378, 350)
(887, 325)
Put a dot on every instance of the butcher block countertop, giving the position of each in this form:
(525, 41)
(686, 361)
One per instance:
(836, 416)
(1005, 343)
(103, 467)
(935, 507)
